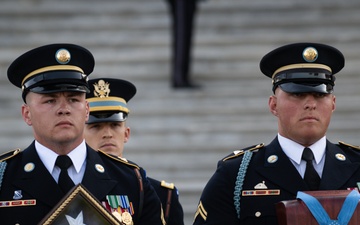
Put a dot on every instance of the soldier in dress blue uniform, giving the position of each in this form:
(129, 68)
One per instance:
(183, 13)
(249, 182)
(53, 80)
(106, 130)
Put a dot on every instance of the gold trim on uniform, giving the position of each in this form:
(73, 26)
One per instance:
(241, 152)
(97, 99)
(117, 105)
(51, 68)
(117, 215)
(302, 65)
(118, 159)
(238, 152)
(201, 211)
(122, 158)
(9, 154)
(162, 216)
(167, 185)
(108, 108)
(349, 145)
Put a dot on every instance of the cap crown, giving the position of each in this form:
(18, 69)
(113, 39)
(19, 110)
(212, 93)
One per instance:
(52, 68)
(303, 67)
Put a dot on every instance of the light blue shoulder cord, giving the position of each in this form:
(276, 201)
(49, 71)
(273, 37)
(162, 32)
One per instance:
(320, 214)
(240, 180)
(2, 171)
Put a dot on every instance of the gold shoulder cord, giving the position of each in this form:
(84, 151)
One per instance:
(170, 187)
(119, 159)
(9, 154)
(238, 153)
(3, 163)
(349, 145)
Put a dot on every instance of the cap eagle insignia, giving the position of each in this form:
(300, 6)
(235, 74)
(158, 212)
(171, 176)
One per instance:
(101, 89)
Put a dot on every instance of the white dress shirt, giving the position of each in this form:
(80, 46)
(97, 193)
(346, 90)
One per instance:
(294, 151)
(77, 156)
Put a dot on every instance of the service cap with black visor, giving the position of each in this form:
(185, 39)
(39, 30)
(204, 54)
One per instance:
(303, 67)
(108, 99)
(52, 68)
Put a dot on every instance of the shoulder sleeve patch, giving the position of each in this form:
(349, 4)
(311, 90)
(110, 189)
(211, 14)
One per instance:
(238, 153)
(349, 145)
(167, 185)
(9, 154)
(119, 159)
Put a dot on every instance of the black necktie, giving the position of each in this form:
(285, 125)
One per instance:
(65, 182)
(311, 177)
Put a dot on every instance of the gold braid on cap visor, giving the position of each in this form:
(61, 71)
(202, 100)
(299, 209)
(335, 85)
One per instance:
(51, 68)
(107, 104)
(302, 66)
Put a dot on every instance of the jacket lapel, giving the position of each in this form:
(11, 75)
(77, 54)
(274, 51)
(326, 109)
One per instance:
(281, 171)
(337, 169)
(41, 186)
(35, 179)
(96, 175)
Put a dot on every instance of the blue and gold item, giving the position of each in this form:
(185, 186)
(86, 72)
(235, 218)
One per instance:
(108, 100)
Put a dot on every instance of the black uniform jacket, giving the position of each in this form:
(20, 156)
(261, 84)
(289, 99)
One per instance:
(216, 206)
(118, 178)
(176, 214)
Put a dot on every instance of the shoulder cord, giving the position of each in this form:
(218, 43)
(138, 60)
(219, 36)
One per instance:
(240, 180)
(168, 205)
(2, 171)
(141, 200)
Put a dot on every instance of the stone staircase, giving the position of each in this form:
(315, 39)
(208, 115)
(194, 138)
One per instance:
(178, 135)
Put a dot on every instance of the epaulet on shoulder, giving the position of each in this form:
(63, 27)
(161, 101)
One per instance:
(9, 154)
(349, 145)
(238, 153)
(119, 159)
(167, 185)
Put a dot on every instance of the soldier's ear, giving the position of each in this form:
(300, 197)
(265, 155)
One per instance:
(26, 114)
(272, 105)
(87, 111)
